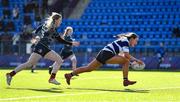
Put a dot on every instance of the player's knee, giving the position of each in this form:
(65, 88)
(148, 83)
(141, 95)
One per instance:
(59, 60)
(88, 69)
(74, 60)
(29, 64)
(126, 61)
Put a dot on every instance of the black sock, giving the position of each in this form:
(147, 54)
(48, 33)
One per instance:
(12, 73)
(72, 74)
(125, 78)
(53, 75)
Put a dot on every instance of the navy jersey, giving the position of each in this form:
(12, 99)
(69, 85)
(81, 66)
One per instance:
(68, 47)
(117, 46)
(48, 35)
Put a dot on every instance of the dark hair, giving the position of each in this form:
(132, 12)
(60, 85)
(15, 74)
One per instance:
(129, 35)
(134, 36)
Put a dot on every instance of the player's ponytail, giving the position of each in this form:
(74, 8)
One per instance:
(129, 35)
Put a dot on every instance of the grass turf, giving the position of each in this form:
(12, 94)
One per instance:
(97, 86)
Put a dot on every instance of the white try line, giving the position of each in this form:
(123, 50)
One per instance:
(163, 88)
(76, 94)
(35, 97)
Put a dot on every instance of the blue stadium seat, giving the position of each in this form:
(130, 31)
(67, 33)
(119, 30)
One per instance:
(152, 19)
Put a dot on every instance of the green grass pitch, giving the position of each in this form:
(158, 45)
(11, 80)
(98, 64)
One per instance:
(96, 86)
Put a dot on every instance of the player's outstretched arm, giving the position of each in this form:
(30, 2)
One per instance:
(75, 43)
(137, 60)
(61, 40)
(130, 57)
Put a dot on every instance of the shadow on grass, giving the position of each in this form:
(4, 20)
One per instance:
(51, 90)
(113, 90)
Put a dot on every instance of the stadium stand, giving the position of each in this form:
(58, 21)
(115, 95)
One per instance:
(153, 20)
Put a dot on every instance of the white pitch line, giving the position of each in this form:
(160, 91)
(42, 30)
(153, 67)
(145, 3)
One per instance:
(35, 97)
(84, 93)
(163, 88)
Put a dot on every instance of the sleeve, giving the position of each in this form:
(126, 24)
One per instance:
(38, 29)
(125, 49)
(61, 40)
(125, 46)
(36, 32)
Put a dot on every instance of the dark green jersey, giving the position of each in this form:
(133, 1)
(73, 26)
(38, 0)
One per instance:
(66, 46)
(48, 35)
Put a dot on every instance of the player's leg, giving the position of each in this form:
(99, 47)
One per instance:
(101, 58)
(33, 68)
(62, 55)
(33, 59)
(93, 65)
(50, 68)
(52, 55)
(90, 67)
(120, 60)
(74, 61)
(160, 60)
(125, 68)
(72, 57)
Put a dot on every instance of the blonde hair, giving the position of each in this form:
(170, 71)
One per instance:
(67, 28)
(50, 20)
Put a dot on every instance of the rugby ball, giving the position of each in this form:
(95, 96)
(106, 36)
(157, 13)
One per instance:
(134, 65)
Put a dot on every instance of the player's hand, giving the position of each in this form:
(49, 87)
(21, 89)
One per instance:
(75, 43)
(140, 62)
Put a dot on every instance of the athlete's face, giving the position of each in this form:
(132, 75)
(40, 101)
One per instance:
(69, 32)
(58, 22)
(133, 42)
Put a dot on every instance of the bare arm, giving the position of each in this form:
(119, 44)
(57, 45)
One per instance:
(128, 56)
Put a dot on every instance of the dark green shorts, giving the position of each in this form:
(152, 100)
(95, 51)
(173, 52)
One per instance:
(65, 54)
(41, 49)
